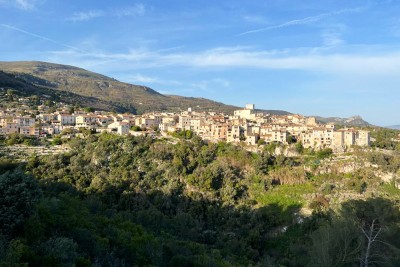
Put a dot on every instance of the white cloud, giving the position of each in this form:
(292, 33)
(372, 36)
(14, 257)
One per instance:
(135, 10)
(307, 20)
(332, 38)
(210, 85)
(139, 78)
(143, 79)
(25, 4)
(22, 4)
(360, 62)
(87, 15)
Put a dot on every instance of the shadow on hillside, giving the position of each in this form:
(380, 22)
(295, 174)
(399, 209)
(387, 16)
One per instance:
(188, 231)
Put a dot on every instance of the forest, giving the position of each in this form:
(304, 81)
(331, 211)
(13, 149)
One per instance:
(136, 201)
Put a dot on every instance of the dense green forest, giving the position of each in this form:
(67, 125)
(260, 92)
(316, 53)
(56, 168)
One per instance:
(129, 201)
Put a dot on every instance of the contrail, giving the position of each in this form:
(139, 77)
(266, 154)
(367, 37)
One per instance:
(306, 20)
(41, 37)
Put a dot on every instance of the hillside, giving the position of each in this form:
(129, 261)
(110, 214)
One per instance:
(352, 121)
(119, 95)
(395, 127)
(27, 89)
(109, 200)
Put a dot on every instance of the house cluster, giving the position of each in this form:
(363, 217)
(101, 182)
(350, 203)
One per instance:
(250, 126)
(246, 125)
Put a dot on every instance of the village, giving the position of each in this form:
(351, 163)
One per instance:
(246, 126)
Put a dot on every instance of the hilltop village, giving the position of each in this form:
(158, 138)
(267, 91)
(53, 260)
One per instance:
(246, 125)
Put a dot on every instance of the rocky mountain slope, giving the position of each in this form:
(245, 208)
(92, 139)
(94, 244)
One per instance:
(90, 85)
(124, 96)
(76, 85)
(352, 121)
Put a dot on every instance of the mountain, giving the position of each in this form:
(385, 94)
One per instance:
(394, 127)
(75, 85)
(8, 80)
(273, 111)
(352, 121)
(92, 87)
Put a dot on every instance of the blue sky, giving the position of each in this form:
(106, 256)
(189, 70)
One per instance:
(328, 57)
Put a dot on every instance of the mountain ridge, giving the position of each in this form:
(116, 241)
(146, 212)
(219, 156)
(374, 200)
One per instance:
(137, 98)
(77, 85)
(351, 121)
(394, 127)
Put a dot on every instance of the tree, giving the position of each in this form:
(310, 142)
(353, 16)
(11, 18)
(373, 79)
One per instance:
(88, 109)
(363, 232)
(71, 110)
(136, 128)
(10, 94)
(61, 249)
(335, 244)
(375, 219)
(324, 153)
(299, 148)
(18, 195)
(290, 139)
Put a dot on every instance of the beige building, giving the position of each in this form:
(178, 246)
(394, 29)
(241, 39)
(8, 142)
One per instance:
(247, 113)
(233, 134)
(66, 119)
(86, 121)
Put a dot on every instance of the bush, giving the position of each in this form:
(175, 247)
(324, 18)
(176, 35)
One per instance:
(324, 153)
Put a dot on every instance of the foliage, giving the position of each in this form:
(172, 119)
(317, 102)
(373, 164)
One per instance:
(299, 148)
(14, 139)
(18, 195)
(290, 139)
(362, 232)
(384, 138)
(184, 134)
(136, 128)
(135, 201)
(324, 153)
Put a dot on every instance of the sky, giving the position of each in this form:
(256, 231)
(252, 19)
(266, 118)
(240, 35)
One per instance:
(333, 58)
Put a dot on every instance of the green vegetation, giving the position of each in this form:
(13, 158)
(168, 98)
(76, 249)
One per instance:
(135, 201)
(136, 128)
(384, 138)
(185, 134)
(14, 139)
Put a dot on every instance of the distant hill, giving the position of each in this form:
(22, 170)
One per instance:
(78, 86)
(112, 93)
(352, 121)
(395, 127)
(273, 111)
(24, 88)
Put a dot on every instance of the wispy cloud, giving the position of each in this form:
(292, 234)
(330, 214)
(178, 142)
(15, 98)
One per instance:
(135, 10)
(85, 16)
(303, 21)
(332, 39)
(129, 11)
(360, 62)
(332, 36)
(139, 78)
(42, 37)
(255, 19)
(210, 86)
(21, 4)
(25, 4)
